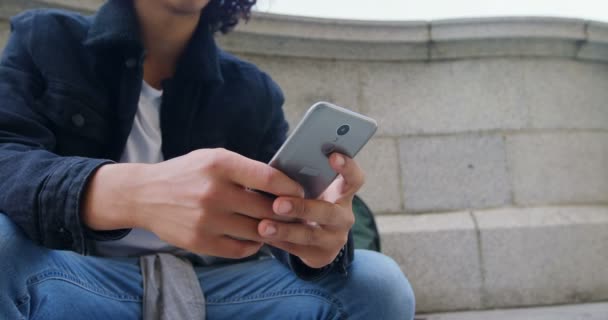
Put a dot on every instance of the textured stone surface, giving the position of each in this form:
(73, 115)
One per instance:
(597, 32)
(307, 48)
(309, 81)
(506, 37)
(508, 28)
(336, 29)
(445, 97)
(559, 168)
(504, 47)
(529, 256)
(380, 161)
(594, 51)
(422, 41)
(541, 256)
(10, 8)
(84, 4)
(454, 172)
(566, 94)
(439, 255)
(597, 46)
(590, 311)
(4, 32)
(331, 39)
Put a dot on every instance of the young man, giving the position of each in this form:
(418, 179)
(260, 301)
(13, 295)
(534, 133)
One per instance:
(115, 133)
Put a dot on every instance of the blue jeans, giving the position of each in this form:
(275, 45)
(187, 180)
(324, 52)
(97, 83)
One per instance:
(39, 283)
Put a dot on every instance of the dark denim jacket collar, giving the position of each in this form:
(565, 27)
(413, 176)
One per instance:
(115, 26)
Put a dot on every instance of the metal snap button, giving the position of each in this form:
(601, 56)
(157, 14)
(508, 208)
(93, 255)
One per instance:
(131, 63)
(78, 120)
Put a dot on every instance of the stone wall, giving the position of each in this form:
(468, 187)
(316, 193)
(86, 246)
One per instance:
(489, 173)
(490, 167)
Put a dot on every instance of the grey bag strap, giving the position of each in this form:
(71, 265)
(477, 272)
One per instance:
(171, 288)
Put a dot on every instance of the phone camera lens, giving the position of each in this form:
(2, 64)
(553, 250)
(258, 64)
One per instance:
(343, 130)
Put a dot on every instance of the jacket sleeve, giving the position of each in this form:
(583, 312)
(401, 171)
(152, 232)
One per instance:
(275, 135)
(39, 190)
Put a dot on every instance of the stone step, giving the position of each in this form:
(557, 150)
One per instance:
(594, 311)
(501, 258)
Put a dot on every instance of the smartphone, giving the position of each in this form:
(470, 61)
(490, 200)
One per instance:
(325, 129)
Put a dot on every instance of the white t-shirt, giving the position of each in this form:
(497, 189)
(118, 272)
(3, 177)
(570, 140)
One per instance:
(143, 146)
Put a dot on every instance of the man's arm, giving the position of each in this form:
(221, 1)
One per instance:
(39, 190)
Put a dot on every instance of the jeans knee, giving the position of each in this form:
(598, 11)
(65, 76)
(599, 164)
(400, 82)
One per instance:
(12, 240)
(381, 285)
(9, 232)
(300, 303)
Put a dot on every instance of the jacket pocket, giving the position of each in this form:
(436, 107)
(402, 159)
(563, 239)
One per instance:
(73, 113)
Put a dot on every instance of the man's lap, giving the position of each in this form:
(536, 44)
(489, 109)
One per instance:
(54, 284)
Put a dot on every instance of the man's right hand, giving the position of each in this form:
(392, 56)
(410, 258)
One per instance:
(200, 202)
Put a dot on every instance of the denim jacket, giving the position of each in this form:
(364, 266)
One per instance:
(69, 90)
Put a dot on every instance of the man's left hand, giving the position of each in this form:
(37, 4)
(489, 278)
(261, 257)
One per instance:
(325, 222)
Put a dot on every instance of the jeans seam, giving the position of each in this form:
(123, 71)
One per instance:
(58, 275)
(316, 293)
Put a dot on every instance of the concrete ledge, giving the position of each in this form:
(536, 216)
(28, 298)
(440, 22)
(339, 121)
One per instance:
(336, 30)
(10, 8)
(490, 37)
(507, 28)
(243, 43)
(279, 35)
(4, 32)
(84, 5)
(502, 258)
(436, 40)
(597, 47)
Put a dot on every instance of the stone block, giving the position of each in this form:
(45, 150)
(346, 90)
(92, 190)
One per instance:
(306, 81)
(507, 28)
(444, 97)
(380, 161)
(439, 255)
(485, 48)
(84, 5)
(287, 26)
(324, 49)
(594, 51)
(454, 172)
(305, 37)
(559, 168)
(566, 94)
(460, 38)
(4, 33)
(589, 311)
(596, 46)
(597, 32)
(540, 256)
(9, 8)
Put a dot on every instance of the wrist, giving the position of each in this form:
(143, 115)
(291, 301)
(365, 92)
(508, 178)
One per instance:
(108, 202)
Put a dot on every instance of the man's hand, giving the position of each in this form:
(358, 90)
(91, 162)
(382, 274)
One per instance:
(199, 202)
(318, 240)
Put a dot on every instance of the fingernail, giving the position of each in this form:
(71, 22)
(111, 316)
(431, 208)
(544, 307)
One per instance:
(270, 230)
(284, 207)
(340, 161)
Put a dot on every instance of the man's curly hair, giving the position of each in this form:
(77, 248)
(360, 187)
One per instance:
(224, 15)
